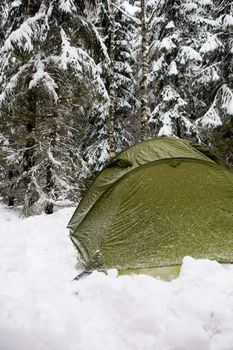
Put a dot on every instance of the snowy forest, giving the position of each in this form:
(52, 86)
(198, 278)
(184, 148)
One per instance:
(81, 80)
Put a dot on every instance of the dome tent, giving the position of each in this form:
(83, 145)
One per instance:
(154, 203)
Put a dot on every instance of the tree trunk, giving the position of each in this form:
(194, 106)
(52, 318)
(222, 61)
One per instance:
(144, 83)
(111, 122)
(29, 152)
(50, 166)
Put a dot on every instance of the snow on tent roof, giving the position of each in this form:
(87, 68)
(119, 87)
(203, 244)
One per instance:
(153, 204)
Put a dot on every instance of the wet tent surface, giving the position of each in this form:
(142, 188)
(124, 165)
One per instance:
(159, 212)
(128, 160)
(158, 223)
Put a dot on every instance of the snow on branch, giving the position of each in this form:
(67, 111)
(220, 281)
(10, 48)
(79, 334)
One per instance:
(211, 118)
(211, 44)
(12, 83)
(227, 99)
(22, 37)
(188, 54)
(67, 6)
(126, 14)
(80, 61)
(74, 56)
(41, 76)
(223, 103)
(100, 41)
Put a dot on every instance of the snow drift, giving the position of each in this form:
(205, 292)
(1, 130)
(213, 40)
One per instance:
(42, 309)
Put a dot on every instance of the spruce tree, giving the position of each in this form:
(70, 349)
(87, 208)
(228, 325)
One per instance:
(117, 30)
(79, 78)
(191, 66)
(51, 91)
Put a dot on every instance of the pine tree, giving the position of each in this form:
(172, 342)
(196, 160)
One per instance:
(221, 139)
(77, 77)
(188, 61)
(117, 30)
(45, 78)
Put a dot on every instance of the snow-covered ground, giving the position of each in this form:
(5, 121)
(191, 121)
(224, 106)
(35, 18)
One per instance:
(42, 309)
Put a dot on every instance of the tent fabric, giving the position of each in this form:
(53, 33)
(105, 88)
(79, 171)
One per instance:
(153, 204)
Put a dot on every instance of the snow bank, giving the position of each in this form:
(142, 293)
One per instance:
(42, 309)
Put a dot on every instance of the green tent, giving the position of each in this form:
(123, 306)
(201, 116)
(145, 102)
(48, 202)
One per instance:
(153, 204)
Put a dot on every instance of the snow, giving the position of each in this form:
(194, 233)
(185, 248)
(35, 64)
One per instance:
(53, 161)
(41, 76)
(23, 36)
(67, 6)
(187, 54)
(100, 152)
(209, 75)
(166, 129)
(189, 7)
(43, 309)
(169, 94)
(170, 25)
(199, 20)
(172, 69)
(12, 83)
(206, 2)
(223, 104)
(211, 118)
(158, 65)
(76, 57)
(212, 44)
(227, 99)
(167, 44)
(132, 10)
(227, 21)
(16, 3)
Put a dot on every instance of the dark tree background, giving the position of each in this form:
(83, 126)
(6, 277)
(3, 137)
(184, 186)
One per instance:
(58, 72)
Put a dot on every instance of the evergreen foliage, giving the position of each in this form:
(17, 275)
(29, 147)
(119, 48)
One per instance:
(222, 140)
(56, 94)
(51, 95)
